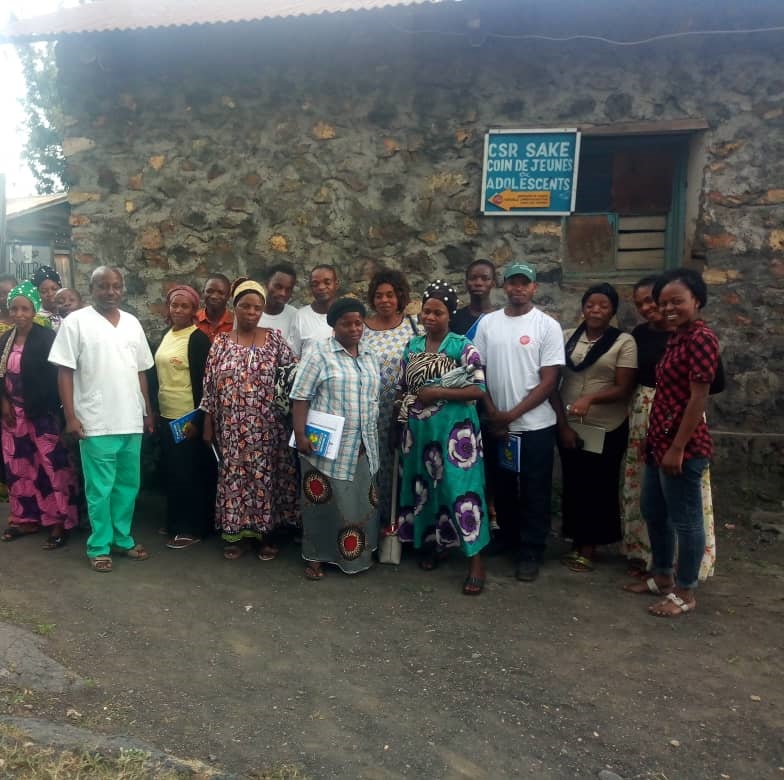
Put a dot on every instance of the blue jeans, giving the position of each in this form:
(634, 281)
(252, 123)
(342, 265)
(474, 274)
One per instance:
(522, 500)
(673, 506)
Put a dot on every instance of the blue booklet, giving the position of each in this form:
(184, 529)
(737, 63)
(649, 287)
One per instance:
(319, 438)
(509, 453)
(179, 426)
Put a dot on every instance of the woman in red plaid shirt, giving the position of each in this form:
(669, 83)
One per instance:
(679, 445)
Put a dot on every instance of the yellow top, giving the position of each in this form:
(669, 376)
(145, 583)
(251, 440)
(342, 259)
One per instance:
(175, 394)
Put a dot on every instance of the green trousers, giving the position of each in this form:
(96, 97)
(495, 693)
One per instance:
(111, 466)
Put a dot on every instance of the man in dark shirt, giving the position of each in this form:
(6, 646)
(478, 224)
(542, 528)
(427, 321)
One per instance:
(480, 282)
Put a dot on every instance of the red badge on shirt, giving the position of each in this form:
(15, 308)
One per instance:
(525, 340)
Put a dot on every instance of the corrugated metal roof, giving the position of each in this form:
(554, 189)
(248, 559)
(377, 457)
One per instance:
(19, 207)
(109, 15)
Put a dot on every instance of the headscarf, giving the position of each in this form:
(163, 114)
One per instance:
(246, 287)
(441, 291)
(27, 289)
(344, 306)
(602, 289)
(188, 292)
(43, 273)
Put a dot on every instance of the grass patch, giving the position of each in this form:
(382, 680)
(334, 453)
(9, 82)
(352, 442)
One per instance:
(19, 757)
(45, 629)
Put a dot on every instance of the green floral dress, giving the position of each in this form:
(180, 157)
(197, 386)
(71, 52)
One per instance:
(442, 480)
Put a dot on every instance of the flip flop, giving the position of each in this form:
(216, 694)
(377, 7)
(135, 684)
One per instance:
(55, 542)
(473, 586)
(314, 575)
(233, 552)
(579, 564)
(13, 532)
(135, 553)
(647, 586)
(182, 541)
(682, 607)
(268, 552)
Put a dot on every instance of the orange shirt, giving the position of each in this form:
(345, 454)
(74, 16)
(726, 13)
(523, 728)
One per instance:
(226, 324)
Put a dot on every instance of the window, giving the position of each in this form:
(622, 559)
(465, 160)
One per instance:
(630, 209)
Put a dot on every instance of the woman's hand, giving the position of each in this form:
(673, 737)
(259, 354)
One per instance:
(568, 438)
(580, 407)
(191, 431)
(8, 413)
(208, 432)
(73, 427)
(672, 462)
(304, 444)
(429, 394)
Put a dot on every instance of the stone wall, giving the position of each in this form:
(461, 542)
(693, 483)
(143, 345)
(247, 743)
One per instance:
(347, 141)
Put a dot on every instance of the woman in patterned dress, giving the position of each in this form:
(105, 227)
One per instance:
(257, 482)
(651, 337)
(339, 376)
(41, 480)
(442, 485)
(387, 331)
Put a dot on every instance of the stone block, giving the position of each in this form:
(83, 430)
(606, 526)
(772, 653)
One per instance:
(279, 243)
(130, 207)
(322, 131)
(75, 197)
(157, 161)
(470, 227)
(776, 240)
(391, 147)
(76, 144)
(136, 181)
(151, 238)
(84, 258)
(78, 220)
(720, 275)
(546, 229)
(719, 240)
(774, 196)
(726, 149)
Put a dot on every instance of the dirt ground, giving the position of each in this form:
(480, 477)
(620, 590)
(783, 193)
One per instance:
(394, 673)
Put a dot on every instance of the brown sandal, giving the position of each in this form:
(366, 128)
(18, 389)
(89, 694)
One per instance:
(233, 552)
(101, 563)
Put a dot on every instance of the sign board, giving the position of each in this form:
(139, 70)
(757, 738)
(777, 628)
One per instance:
(530, 172)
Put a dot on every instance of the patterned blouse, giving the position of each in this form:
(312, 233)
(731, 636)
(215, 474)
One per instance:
(692, 355)
(337, 383)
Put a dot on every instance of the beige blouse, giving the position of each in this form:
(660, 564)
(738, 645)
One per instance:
(598, 377)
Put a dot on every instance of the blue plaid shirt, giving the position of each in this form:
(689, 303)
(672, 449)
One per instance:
(337, 383)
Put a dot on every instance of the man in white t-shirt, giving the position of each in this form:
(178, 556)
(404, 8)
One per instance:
(102, 354)
(523, 350)
(280, 280)
(311, 322)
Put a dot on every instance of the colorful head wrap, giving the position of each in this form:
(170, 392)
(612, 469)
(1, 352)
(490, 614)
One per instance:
(441, 291)
(344, 306)
(43, 273)
(188, 292)
(29, 290)
(246, 287)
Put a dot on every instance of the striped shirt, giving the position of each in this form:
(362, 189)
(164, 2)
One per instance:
(337, 383)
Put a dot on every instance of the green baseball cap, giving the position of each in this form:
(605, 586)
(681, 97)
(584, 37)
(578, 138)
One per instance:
(520, 269)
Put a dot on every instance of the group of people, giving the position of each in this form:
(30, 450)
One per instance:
(448, 421)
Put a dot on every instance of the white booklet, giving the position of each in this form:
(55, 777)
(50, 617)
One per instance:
(325, 432)
(592, 436)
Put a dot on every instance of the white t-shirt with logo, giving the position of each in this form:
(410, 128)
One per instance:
(309, 326)
(282, 322)
(513, 350)
(106, 362)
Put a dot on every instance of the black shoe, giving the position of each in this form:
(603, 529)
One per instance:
(527, 570)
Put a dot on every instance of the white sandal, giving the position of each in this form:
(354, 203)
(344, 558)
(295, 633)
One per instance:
(683, 606)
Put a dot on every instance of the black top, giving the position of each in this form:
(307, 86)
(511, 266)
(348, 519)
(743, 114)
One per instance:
(650, 348)
(462, 320)
(39, 376)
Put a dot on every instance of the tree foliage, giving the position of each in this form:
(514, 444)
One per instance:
(43, 117)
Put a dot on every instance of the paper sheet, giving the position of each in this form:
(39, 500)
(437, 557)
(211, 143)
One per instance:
(331, 424)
